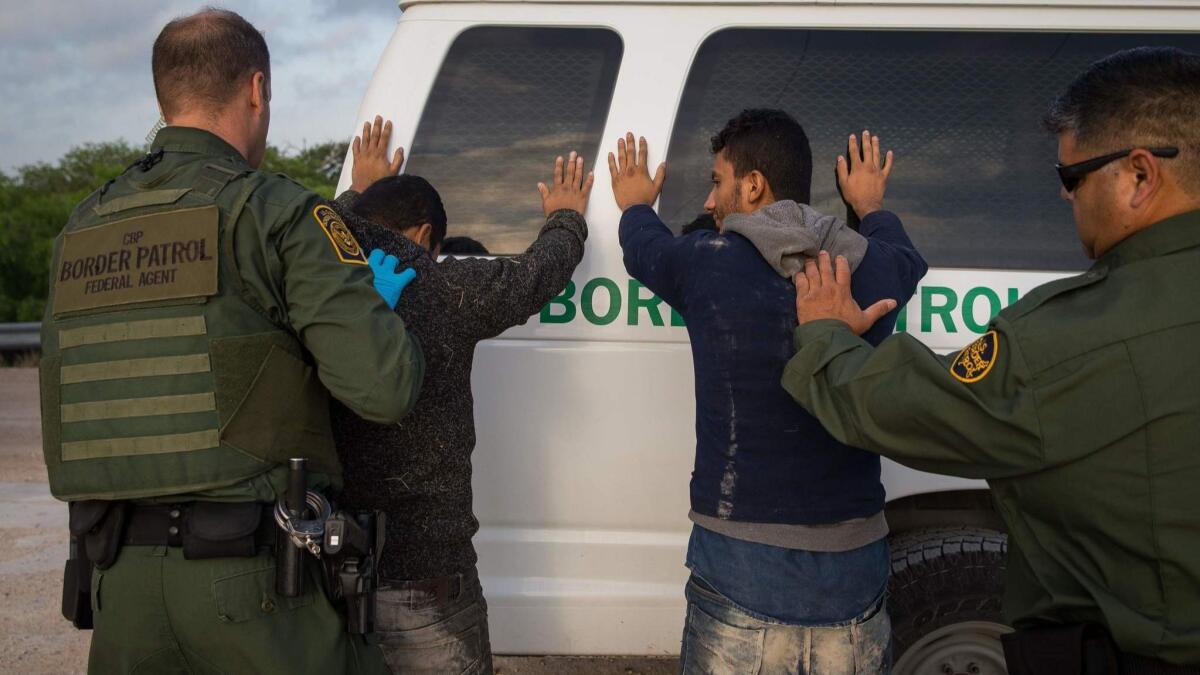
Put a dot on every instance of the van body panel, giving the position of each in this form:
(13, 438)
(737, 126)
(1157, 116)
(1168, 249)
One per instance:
(1122, 5)
(585, 414)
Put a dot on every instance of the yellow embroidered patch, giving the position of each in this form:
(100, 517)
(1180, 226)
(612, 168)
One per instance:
(975, 361)
(344, 243)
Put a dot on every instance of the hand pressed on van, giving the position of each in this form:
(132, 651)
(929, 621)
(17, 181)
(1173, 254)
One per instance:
(823, 292)
(369, 154)
(631, 181)
(570, 188)
(863, 179)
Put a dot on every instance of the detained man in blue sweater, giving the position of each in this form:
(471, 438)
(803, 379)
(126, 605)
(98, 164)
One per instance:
(788, 552)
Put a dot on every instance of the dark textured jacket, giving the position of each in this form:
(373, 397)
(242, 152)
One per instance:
(419, 472)
(759, 456)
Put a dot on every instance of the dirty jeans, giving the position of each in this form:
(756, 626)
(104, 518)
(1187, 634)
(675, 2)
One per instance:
(423, 631)
(720, 638)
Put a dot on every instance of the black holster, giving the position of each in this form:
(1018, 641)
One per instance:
(77, 587)
(96, 528)
(1068, 649)
(352, 549)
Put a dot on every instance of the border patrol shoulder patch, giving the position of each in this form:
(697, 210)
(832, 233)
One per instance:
(344, 243)
(975, 361)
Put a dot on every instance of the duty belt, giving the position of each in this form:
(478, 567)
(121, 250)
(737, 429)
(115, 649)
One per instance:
(202, 529)
(1078, 649)
(1132, 664)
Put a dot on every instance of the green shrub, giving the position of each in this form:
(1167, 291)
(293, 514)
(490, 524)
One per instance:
(36, 202)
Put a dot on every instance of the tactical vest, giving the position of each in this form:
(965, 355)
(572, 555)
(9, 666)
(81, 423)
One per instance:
(160, 373)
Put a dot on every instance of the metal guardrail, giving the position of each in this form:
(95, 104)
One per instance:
(20, 337)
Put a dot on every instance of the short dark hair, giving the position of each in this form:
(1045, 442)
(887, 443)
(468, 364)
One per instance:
(775, 144)
(404, 202)
(1146, 96)
(201, 59)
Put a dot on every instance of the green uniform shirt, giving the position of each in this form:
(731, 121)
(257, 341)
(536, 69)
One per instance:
(1081, 407)
(298, 275)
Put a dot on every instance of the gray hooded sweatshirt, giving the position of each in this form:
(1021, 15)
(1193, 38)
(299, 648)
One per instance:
(786, 233)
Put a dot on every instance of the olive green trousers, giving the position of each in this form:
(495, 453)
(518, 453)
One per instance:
(155, 612)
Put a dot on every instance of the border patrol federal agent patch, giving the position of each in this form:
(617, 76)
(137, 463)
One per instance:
(344, 243)
(975, 361)
(164, 256)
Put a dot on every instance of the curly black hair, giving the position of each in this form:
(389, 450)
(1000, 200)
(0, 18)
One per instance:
(404, 202)
(772, 142)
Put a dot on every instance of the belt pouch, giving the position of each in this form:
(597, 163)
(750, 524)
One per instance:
(99, 524)
(1045, 650)
(77, 586)
(1068, 649)
(221, 530)
(1099, 651)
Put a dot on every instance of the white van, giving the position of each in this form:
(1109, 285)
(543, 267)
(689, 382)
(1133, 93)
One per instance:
(585, 415)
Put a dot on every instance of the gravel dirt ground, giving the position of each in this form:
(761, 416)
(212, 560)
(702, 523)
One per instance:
(36, 640)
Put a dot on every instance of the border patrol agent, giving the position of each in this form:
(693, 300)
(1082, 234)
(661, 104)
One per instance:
(201, 313)
(1080, 405)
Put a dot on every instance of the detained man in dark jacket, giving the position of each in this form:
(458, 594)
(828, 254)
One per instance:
(432, 617)
(788, 552)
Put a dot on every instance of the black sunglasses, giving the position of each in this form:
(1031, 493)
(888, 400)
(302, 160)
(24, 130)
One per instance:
(1071, 174)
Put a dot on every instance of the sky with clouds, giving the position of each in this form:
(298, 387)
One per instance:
(75, 72)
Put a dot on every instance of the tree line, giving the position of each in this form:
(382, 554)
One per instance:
(37, 199)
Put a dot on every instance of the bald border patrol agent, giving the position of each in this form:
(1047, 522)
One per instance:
(1080, 405)
(201, 312)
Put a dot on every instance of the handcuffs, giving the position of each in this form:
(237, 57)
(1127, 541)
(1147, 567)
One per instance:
(305, 533)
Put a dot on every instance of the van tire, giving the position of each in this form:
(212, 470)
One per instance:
(944, 600)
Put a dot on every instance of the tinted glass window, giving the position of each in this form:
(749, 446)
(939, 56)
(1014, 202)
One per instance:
(974, 179)
(505, 103)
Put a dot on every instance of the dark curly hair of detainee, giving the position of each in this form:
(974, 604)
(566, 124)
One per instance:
(772, 142)
(404, 202)
(202, 60)
(1141, 97)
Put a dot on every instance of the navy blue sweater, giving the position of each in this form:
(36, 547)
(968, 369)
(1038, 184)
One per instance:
(759, 456)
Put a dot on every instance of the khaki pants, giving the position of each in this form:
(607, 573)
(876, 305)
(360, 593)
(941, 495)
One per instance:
(156, 612)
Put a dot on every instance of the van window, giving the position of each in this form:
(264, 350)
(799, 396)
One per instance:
(505, 103)
(974, 180)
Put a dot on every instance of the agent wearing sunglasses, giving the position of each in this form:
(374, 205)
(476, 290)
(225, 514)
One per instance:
(1081, 404)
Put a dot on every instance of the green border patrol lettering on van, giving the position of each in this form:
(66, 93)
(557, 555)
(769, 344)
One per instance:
(563, 307)
(943, 302)
(640, 306)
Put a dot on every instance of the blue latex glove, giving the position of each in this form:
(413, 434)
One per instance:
(388, 282)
